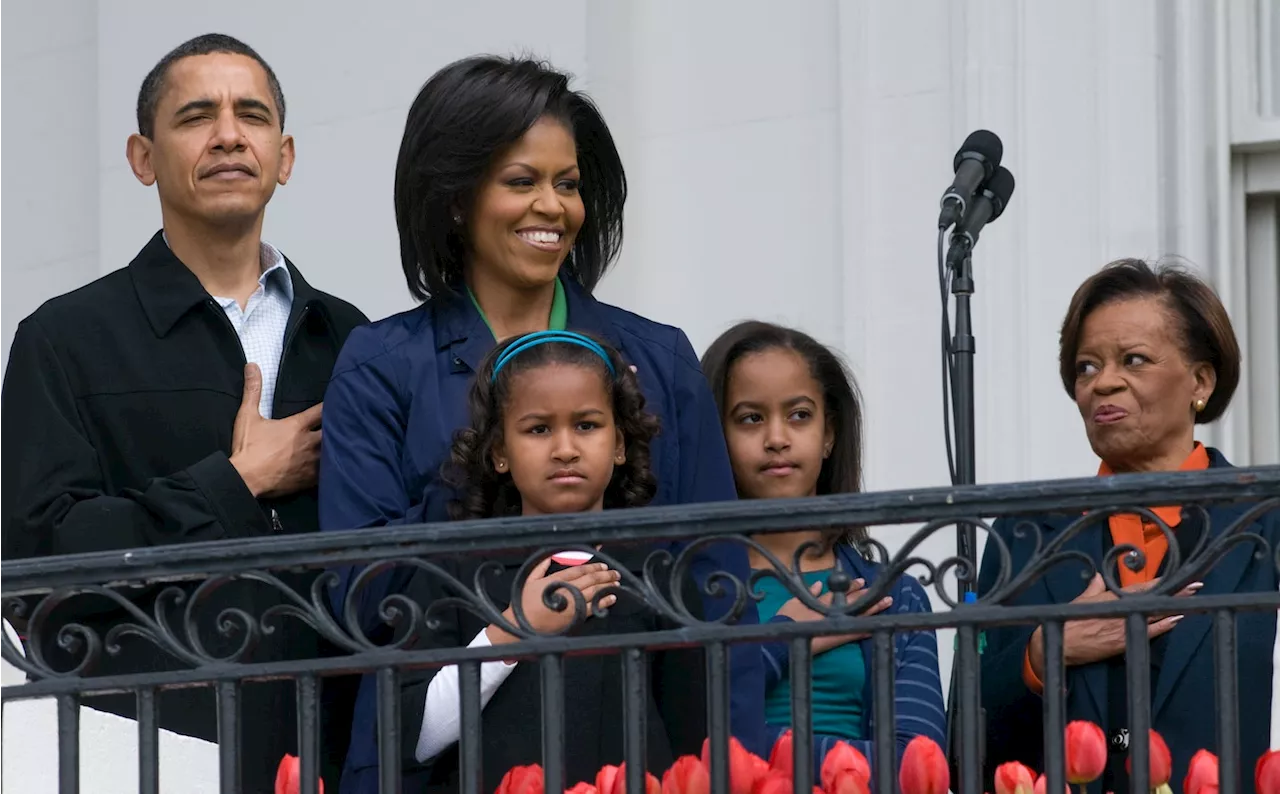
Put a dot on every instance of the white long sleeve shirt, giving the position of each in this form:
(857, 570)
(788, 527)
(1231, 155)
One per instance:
(442, 714)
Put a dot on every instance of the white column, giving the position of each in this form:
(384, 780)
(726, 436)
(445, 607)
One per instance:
(727, 117)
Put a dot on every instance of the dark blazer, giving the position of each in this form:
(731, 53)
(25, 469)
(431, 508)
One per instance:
(593, 693)
(118, 405)
(398, 395)
(1183, 701)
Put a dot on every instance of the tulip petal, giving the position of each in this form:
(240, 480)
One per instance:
(1202, 774)
(287, 775)
(781, 758)
(1266, 774)
(522, 780)
(687, 775)
(924, 768)
(1014, 778)
(843, 757)
(1086, 751)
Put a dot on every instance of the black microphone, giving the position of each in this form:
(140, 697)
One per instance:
(976, 161)
(988, 206)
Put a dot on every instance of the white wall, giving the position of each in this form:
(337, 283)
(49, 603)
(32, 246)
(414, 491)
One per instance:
(50, 202)
(785, 163)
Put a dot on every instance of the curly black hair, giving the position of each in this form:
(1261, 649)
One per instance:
(486, 493)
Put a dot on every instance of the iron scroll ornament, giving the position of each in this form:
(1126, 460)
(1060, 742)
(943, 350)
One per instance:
(408, 619)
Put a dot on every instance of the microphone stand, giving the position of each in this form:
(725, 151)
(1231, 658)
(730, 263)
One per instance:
(962, 399)
(966, 706)
(966, 736)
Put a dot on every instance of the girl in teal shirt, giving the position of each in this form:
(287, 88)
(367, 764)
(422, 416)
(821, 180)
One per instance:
(793, 421)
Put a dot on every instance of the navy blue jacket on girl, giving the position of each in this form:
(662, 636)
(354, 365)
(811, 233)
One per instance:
(399, 393)
(917, 687)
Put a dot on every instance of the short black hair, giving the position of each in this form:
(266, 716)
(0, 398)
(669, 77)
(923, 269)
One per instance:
(207, 44)
(1207, 335)
(842, 402)
(463, 116)
(485, 493)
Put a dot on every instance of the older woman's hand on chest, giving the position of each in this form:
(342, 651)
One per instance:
(1089, 641)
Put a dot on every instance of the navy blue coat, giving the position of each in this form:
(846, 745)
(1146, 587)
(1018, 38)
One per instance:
(399, 393)
(1183, 704)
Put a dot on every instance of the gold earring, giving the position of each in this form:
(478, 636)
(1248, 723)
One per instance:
(621, 459)
(500, 466)
(1199, 405)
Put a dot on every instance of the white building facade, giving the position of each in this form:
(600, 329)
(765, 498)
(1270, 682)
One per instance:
(785, 163)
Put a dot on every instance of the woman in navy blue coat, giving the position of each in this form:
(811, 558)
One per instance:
(1147, 353)
(509, 196)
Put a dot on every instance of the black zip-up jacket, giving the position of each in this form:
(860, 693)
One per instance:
(118, 406)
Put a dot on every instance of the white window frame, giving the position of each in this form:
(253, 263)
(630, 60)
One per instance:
(1247, 223)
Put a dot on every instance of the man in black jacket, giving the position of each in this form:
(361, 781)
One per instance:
(178, 399)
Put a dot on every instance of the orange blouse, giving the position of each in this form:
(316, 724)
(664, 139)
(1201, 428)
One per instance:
(1136, 531)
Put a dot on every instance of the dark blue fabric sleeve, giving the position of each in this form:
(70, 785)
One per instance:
(705, 476)
(360, 474)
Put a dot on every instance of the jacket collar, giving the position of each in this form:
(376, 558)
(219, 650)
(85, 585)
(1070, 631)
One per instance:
(855, 564)
(167, 289)
(459, 326)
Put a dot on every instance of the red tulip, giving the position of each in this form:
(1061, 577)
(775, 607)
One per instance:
(1161, 761)
(289, 776)
(582, 788)
(1202, 774)
(924, 768)
(1266, 775)
(774, 782)
(1015, 778)
(843, 757)
(846, 781)
(686, 776)
(1042, 783)
(616, 778)
(781, 759)
(745, 767)
(605, 778)
(522, 780)
(1086, 752)
(759, 766)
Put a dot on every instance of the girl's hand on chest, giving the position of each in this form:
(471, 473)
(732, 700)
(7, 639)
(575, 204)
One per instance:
(589, 579)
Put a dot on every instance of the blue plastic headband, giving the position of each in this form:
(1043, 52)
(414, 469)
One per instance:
(542, 337)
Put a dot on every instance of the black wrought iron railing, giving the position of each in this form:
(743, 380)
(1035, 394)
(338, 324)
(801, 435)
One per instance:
(183, 580)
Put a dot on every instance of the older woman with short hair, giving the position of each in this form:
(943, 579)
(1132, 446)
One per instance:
(1147, 353)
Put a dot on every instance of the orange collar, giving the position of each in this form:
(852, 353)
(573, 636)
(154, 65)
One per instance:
(1198, 460)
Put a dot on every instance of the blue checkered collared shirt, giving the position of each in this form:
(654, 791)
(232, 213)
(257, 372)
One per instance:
(262, 323)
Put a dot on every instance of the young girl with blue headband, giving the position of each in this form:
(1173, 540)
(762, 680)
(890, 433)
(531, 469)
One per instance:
(558, 425)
